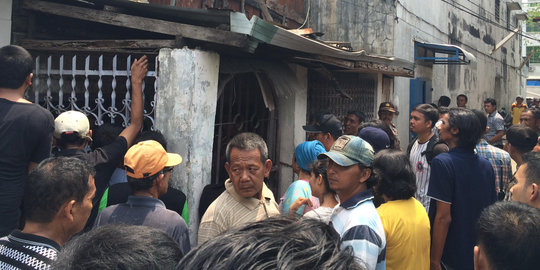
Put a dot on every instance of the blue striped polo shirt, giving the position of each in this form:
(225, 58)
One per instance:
(360, 227)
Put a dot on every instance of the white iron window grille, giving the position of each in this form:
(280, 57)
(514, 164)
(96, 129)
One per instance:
(96, 85)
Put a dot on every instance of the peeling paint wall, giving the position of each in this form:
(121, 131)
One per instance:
(367, 25)
(493, 75)
(185, 114)
(5, 22)
(292, 116)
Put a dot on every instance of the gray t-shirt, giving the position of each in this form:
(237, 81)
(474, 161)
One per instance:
(150, 212)
(495, 123)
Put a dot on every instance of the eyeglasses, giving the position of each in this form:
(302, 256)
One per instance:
(168, 169)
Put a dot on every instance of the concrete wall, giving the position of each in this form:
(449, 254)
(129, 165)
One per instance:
(368, 25)
(185, 113)
(437, 22)
(5, 22)
(292, 116)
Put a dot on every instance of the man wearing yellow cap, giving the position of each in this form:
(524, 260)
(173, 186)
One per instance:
(148, 169)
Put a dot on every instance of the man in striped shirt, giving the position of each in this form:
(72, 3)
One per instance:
(424, 148)
(246, 198)
(57, 203)
(355, 219)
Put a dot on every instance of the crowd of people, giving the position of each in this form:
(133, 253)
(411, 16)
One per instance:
(457, 197)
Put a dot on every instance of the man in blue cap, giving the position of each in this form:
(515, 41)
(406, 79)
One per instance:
(355, 219)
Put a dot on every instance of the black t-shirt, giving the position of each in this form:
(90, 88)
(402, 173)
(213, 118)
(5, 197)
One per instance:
(104, 159)
(25, 136)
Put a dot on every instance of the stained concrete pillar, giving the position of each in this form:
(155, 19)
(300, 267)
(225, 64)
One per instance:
(293, 112)
(185, 114)
(5, 22)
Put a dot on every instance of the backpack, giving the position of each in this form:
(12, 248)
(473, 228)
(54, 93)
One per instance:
(430, 153)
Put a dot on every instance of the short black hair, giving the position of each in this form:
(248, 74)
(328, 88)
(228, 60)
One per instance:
(274, 243)
(491, 101)
(112, 247)
(429, 112)
(394, 174)
(522, 137)
(509, 235)
(532, 173)
(105, 135)
(247, 141)
(361, 116)
(481, 117)
(138, 184)
(15, 65)
(443, 110)
(468, 125)
(444, 101)
(67, 140)
(155, 135)
(462, 95)
(53, 182)
(535, 112)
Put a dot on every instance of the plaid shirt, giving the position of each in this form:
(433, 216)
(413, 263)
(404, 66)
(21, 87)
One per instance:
(500, 161)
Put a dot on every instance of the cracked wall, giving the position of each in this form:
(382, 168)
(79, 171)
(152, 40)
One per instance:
(367, 25)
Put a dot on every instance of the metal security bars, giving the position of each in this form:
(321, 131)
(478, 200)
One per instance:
(96, 85)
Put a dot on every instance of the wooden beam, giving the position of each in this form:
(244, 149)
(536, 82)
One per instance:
(141, 23)
(91, 45)
(265, 12)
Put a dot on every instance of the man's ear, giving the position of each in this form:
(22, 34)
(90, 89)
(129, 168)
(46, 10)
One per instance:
(28, 80)
(365, 174)
(267, 168)
(454, 131)
(534, 192)
(480, 260)
(66, 210)
(228, 168)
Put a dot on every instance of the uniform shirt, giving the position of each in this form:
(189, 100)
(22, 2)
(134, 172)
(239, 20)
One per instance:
(27, 251)
(422, 171)
(495, 123)
(466, 182)
(359, 226)
(232, 210)
(500, 161)
(406, 227)
(150, 212)
(25, 136)
(516, 111)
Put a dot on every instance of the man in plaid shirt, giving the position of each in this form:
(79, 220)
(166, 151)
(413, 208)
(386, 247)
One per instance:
(499, 159)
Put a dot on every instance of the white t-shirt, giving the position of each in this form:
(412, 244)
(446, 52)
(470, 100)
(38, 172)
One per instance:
(323, 214)
(422, 171)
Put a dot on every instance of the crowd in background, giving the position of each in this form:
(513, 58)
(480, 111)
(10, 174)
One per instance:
(463, 194)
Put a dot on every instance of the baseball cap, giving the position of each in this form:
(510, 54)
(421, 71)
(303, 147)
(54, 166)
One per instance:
(519, 96)
(349, 150)
(388, 106)
(378, 139)
(71, 122)
(326, 123)
(147, 158)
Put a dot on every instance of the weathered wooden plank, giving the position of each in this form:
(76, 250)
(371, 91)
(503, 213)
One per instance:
(141, 23)
(97, 44)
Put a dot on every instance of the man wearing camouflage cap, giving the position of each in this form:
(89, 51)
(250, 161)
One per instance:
(355, 219)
